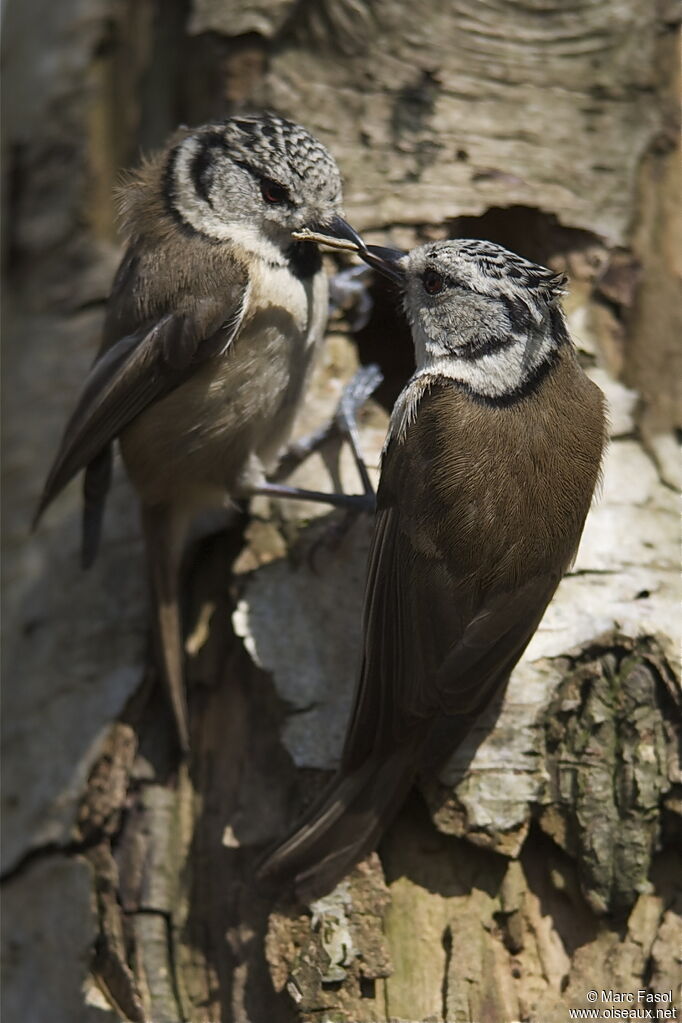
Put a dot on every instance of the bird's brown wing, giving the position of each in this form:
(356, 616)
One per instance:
(136, 370)
(430, 665)
(433, 645)
(469, 545)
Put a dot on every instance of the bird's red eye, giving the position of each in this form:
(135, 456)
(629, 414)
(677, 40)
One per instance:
(272, 192)
(433, 282)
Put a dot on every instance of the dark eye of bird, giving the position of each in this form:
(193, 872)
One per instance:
(273, 192)
(433, 282)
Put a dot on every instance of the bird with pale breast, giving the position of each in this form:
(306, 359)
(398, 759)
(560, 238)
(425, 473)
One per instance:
(211, 328)
(492, 457)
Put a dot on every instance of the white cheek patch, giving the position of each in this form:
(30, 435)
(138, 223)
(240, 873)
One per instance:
(200, 215)
(253, 240)
(493, 375)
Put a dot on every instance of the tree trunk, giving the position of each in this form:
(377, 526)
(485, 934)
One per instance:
(543, 864)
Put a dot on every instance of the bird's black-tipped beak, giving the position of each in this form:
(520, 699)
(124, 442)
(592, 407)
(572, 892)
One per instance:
(386, 261)
(340, 228)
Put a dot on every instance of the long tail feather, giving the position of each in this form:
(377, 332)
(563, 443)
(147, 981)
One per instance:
(96, 485)
(343, 827)
(164, 532)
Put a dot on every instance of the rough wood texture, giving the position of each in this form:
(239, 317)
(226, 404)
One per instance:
(543, 863)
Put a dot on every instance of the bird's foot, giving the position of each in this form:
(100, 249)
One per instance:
(343, 423)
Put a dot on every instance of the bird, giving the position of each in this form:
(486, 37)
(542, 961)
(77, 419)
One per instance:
(211, 327)
(491, 460)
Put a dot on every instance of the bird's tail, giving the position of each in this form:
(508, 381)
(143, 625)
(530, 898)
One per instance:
(96, 484)
(164, 531)
(343, 827)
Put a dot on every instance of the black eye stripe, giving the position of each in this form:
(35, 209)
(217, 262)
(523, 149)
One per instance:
(200, 171)
(518, 312)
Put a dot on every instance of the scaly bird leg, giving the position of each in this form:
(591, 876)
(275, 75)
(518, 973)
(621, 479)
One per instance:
(355, 394)
(352, 502)
(344, 423)
(164, 531)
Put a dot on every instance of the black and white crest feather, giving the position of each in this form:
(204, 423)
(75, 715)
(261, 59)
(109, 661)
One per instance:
(490, 267)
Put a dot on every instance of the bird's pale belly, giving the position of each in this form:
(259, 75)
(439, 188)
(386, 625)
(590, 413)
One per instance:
(200, 442)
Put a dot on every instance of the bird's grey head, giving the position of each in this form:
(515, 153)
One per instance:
(252, 179)
(479, 313)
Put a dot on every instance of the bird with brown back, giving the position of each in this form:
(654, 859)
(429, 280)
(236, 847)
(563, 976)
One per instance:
(491, 461)
(211, 328)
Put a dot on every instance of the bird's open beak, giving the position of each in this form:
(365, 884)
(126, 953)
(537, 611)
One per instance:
(340, 228)
(387, 261)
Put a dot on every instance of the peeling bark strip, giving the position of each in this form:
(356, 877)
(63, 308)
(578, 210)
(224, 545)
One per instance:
(544, 862)
(607, 765)
(612, 760)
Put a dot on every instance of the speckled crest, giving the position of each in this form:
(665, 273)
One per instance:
(283, 150)
(483, 316)
(216, 177)
(268, 146)
(485, 266)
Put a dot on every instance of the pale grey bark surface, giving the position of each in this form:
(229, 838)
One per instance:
(543, 862)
